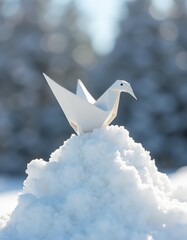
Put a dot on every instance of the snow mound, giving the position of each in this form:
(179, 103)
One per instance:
(100, 185)
(179, 181)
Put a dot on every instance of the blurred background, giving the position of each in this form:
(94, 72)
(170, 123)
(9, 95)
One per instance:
(141, 41)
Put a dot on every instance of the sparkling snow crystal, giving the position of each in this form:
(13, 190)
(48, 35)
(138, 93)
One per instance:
(99, 185)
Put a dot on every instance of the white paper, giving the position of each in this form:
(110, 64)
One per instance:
(82, 111)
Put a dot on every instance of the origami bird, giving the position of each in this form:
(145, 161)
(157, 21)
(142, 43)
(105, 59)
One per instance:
(82, 111)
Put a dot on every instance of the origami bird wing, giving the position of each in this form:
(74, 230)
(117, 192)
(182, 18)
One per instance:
(83, 92)
(81, 115)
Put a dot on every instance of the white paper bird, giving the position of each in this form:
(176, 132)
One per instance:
(82, 111)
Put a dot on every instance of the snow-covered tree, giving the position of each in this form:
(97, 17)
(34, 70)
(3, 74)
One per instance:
(151, 53)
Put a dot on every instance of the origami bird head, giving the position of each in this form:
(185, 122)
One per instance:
(123, 86)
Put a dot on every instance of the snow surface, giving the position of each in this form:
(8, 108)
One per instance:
(99, 185)
(8, 202)
(179, 181)
(9, 190)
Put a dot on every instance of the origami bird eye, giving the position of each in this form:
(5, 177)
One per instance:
(121, 84)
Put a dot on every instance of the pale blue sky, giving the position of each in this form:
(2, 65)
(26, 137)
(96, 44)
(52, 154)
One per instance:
(103, 16)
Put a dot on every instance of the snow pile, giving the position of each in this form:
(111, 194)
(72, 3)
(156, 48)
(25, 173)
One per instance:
(179, 181)
(100, 185)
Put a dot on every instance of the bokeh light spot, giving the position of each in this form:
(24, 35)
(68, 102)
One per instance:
(83, 55)
(181, 60)
(56, 42)
(168, 31)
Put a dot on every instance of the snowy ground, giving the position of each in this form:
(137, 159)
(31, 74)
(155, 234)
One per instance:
(9, 190)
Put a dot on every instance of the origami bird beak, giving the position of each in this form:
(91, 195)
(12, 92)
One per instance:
(130, 91)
